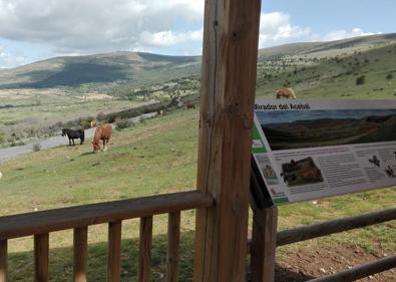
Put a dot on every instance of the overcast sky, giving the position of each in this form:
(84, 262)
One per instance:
(32, 30)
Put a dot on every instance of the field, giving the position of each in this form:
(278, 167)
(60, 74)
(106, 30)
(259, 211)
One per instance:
(159, 155)
(137, 164)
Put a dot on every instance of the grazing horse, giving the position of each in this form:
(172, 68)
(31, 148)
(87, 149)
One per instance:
(74, 134)
(287, 93)
(190, 105)
(102, 132)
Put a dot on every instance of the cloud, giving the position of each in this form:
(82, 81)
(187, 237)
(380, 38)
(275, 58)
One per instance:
(342, 34)
(276, 28)
(75, 26)
(92, 26)
(169, 38)
(10, 59)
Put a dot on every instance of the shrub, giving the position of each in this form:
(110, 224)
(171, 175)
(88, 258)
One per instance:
(389, 76)
(123, 123)
(360, 80)
(36, 147)
(101, 116)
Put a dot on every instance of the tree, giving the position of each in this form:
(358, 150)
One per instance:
(360, 80)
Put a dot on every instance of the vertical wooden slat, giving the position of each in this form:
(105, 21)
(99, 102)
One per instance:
(80, 243)
(146, 234)
(3, 260)
(114, 252)
(230, 50)
(41, 251)
(172, 258)
(263, 247)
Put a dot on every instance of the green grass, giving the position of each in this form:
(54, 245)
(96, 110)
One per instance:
(156, 157)
(160, 156)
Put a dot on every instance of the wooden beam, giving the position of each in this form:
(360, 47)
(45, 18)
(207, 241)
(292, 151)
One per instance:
(228, 83)
(16, 226)
(114, 252)
(360, 271)
(307, 232)
(146, 237)
(80, 244)
(172, 257)
(41, 251)
(3, 260)
(263, 247)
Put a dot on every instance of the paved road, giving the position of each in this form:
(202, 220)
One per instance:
(13, 152)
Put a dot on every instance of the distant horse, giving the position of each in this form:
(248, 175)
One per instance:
(287, 93)
(190, 105)
(74, 134)
(102, 132)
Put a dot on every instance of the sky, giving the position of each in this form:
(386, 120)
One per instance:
(32, 30)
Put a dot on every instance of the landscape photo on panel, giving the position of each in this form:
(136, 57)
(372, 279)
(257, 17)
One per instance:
(319, 128)
(301, 172)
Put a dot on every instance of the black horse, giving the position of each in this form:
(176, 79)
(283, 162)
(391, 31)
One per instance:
(74, 134)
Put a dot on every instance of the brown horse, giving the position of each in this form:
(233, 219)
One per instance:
(284, 92)
(102, 132)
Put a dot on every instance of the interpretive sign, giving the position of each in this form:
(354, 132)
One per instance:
(308, 149)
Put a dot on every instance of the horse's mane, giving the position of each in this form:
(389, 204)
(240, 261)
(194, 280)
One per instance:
(98, 134)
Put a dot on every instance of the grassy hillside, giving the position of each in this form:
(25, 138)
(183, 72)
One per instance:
(104, 71)
(156, 157)
(160, 155)
(331, 70)
(118, 67)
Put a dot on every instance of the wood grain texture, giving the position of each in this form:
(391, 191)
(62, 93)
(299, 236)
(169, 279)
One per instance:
(41, 252)
(360, 271)
(172, 257)
(231, 30)
(68, 218)
(114, 252)
(3, 260)
(307, 232)
(80, 245)
(145, 244)
(263, 246)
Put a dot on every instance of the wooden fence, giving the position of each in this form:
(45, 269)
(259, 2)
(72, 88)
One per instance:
(266, 238)
(79, 218)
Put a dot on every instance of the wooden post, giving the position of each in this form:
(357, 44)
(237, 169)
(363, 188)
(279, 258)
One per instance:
(114, 252)
(227, 99)
(80, 244)
(3, 260)
(172, 257)
(41, 249)
(263, 247)
(146, 235)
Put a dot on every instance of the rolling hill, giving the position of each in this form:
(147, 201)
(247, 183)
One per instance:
(117, 67)
(277, 66)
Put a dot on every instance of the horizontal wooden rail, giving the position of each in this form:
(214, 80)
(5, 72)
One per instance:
(16, 226)
(360, 271)
(303, 233)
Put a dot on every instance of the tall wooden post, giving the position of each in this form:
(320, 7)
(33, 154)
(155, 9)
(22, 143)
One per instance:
(227, 99)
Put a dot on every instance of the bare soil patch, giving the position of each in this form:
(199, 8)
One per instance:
(308, 263)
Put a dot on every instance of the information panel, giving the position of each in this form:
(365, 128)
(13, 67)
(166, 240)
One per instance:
(308, 149)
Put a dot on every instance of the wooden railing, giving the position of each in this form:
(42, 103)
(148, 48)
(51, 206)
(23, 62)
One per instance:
(40, 224)
(266, 239)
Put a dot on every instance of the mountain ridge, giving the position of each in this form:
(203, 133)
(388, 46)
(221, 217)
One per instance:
(121, 67)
